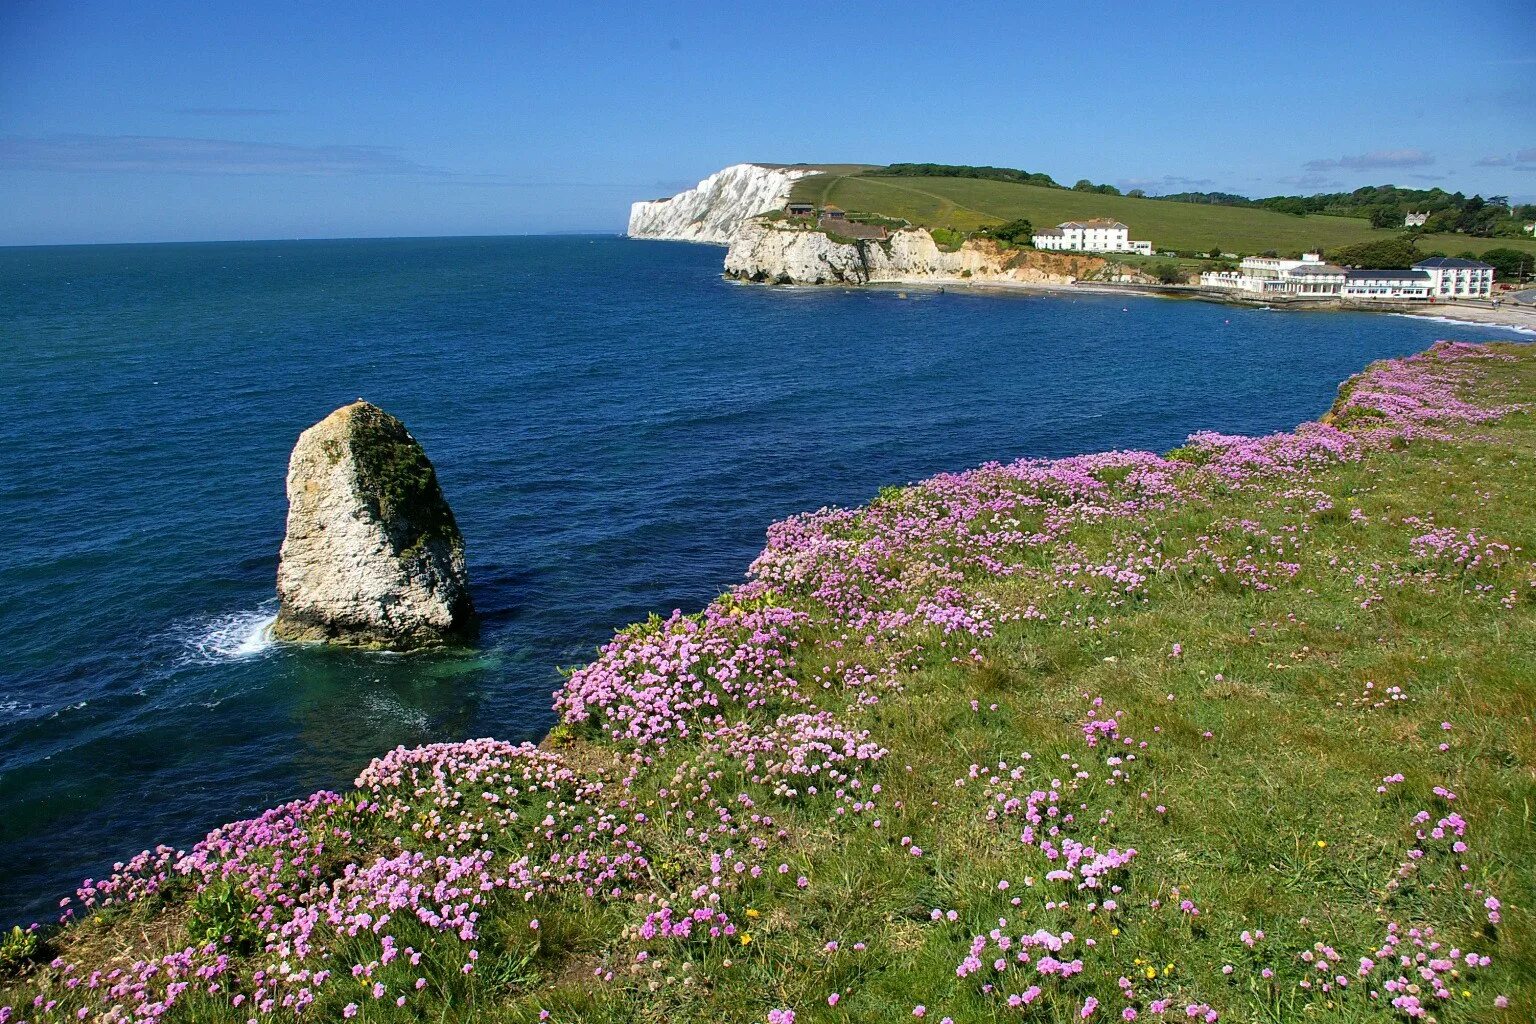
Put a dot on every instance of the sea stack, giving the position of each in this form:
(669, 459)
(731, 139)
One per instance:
(373, 556)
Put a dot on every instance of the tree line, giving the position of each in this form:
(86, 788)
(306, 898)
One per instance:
(986, 173)
(1386, 205)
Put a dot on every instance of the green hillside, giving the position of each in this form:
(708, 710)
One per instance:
(1240, 735)
(966, 204)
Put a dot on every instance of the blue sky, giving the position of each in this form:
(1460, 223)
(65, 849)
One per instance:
(134, 121)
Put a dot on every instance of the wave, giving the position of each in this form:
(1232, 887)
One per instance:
(1469, 323)
(13, 710)
(235, 636)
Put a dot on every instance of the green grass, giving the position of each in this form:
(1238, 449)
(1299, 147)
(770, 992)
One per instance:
(965, 204)
(1255, 796)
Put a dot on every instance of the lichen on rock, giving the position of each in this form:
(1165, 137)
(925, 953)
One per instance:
(373, 556)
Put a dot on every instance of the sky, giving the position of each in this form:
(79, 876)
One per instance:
(125, 120)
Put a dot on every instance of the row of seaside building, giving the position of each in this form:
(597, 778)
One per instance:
(1439, 277)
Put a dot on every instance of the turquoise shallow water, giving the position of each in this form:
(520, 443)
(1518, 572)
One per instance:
(614, 425)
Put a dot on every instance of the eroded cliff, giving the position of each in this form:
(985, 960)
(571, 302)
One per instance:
(776, 253)
(715, 209)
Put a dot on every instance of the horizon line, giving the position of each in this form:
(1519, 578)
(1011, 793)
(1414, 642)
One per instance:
(311, 238)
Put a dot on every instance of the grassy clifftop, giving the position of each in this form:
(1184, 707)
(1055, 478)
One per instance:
(1243, 733)
(966, 204)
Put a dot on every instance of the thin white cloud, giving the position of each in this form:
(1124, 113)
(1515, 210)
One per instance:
(1167, 183)
(1522, 156)
(1310, 181)
(1376, 159)
(156, 154)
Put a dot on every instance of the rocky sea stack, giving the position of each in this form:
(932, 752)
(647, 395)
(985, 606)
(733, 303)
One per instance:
(373, 556)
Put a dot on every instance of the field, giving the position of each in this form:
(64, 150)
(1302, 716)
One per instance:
(1243, 734)
(969, 203)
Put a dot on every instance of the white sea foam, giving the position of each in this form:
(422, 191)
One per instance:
(387, 708)
(1529, 332)
(13, 710)
(236, 636)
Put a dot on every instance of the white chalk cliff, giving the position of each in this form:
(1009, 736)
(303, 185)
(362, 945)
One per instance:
(727, 208)
(718, 206)
(774, 253)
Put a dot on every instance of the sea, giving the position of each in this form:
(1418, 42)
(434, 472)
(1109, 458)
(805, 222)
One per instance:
(614, 425)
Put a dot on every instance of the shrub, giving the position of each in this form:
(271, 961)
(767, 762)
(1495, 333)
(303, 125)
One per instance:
(1510, 263)
(223, 911)
(17, 948)
(1014, 232)
(948, 239)
(1382, 255)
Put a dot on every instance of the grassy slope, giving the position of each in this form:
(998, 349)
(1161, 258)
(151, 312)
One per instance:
(969, 203)
(1255, 796)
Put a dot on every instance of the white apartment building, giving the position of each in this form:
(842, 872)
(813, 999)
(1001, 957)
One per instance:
(1097, 235)
(1451, 277)
(1415, 220)
(1386, 284)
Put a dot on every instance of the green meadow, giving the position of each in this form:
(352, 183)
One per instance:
(965, 204)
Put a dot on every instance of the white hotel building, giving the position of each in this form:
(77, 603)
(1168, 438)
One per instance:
(1308, 277)
(1439, 277)
(1097, 235)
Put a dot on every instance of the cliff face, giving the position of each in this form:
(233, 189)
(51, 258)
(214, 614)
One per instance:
(372, 556)
(717, 207)
(762, 251)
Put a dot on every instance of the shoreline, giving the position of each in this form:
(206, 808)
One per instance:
(1508, 316)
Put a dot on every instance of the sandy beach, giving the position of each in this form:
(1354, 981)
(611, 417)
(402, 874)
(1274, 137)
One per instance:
(1520, 318)
(1506, 314)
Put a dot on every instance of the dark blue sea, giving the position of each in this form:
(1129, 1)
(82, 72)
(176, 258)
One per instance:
(613, 424)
